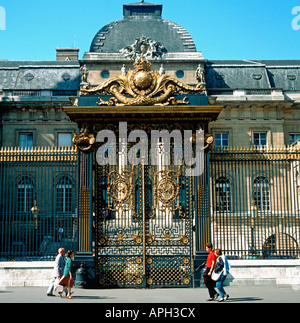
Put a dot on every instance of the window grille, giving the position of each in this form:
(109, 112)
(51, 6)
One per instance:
(223, 194)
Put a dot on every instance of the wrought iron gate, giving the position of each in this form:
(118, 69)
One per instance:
(143, 226)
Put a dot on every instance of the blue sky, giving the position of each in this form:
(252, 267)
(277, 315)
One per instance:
(221, 29)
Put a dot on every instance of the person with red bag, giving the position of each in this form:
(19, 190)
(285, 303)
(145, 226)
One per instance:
(67, 279)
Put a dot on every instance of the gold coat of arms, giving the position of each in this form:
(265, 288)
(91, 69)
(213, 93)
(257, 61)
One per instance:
(141, 86)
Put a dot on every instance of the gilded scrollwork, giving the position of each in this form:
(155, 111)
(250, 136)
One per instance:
(141, 86)
(120, 191)
(166, 193)
(121, 236)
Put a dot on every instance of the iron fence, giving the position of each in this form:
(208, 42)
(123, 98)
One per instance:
(38, 202)
(248, 202)
(255, 201)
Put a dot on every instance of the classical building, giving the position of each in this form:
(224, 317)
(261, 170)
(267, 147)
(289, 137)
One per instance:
(32, 94)
(137, 223)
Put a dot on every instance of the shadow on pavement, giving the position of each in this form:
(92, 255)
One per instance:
(92, 297)
(244, 299)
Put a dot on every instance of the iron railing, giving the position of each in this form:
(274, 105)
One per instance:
(38, 202)
(255, 201)
(248, 203)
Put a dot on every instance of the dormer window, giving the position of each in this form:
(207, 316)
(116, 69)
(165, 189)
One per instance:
(28, 77)
(66, 77)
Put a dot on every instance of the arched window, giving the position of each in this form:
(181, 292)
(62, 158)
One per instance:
(261, 193)
(280, 244)
(64, 194)
(223, 199)
(25, 194)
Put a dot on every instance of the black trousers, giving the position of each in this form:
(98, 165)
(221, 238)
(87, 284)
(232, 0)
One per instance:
(209, 283)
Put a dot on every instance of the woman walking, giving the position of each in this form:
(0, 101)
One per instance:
(67, 279)
(224, 267)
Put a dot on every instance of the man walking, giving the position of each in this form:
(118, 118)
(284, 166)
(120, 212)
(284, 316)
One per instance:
(210, 265)
(58, 270)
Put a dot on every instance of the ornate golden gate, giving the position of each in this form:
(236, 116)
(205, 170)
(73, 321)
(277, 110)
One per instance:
(143, 226)
(143, 214)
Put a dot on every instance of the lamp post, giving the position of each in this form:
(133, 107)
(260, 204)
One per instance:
(35, 212)
(253, 213)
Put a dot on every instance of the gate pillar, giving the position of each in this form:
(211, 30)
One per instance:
(84, 255)
(85, 202)
(202, 216)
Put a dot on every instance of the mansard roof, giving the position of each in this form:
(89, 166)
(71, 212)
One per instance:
(253, 74)
(220, 74)
(39, 75)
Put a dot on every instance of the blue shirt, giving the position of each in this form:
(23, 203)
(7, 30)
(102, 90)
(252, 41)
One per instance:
(222, 263)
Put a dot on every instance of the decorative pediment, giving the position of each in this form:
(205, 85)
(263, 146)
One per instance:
(142, 86)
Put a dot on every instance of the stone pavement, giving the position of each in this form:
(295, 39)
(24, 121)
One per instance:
(170, 296)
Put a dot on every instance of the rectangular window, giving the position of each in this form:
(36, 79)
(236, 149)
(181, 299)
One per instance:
(64, 139)
(260, 139)
(64, 195)
(25, 195)
(261, 193)
(293, 137)
(64, 198)
(26, 140)
(221, 140)
(223, 195)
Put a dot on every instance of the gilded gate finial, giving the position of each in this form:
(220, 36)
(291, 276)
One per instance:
(83, 140)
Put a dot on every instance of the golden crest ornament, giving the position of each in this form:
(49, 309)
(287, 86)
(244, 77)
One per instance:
(142, 87)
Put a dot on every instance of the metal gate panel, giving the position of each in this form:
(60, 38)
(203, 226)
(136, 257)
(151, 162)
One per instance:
(169, 239)
(143, 226)
(118, 228)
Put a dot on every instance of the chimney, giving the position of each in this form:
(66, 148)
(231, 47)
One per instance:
(67, 54)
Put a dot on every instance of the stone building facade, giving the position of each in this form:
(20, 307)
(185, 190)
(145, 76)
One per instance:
(249, 107)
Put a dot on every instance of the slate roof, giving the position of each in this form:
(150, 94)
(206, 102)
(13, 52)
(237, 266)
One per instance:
(38, 75)
(220, 74)
(142, 19)
(253, 74)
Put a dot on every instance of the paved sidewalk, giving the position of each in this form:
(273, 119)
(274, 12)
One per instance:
(172, 296)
